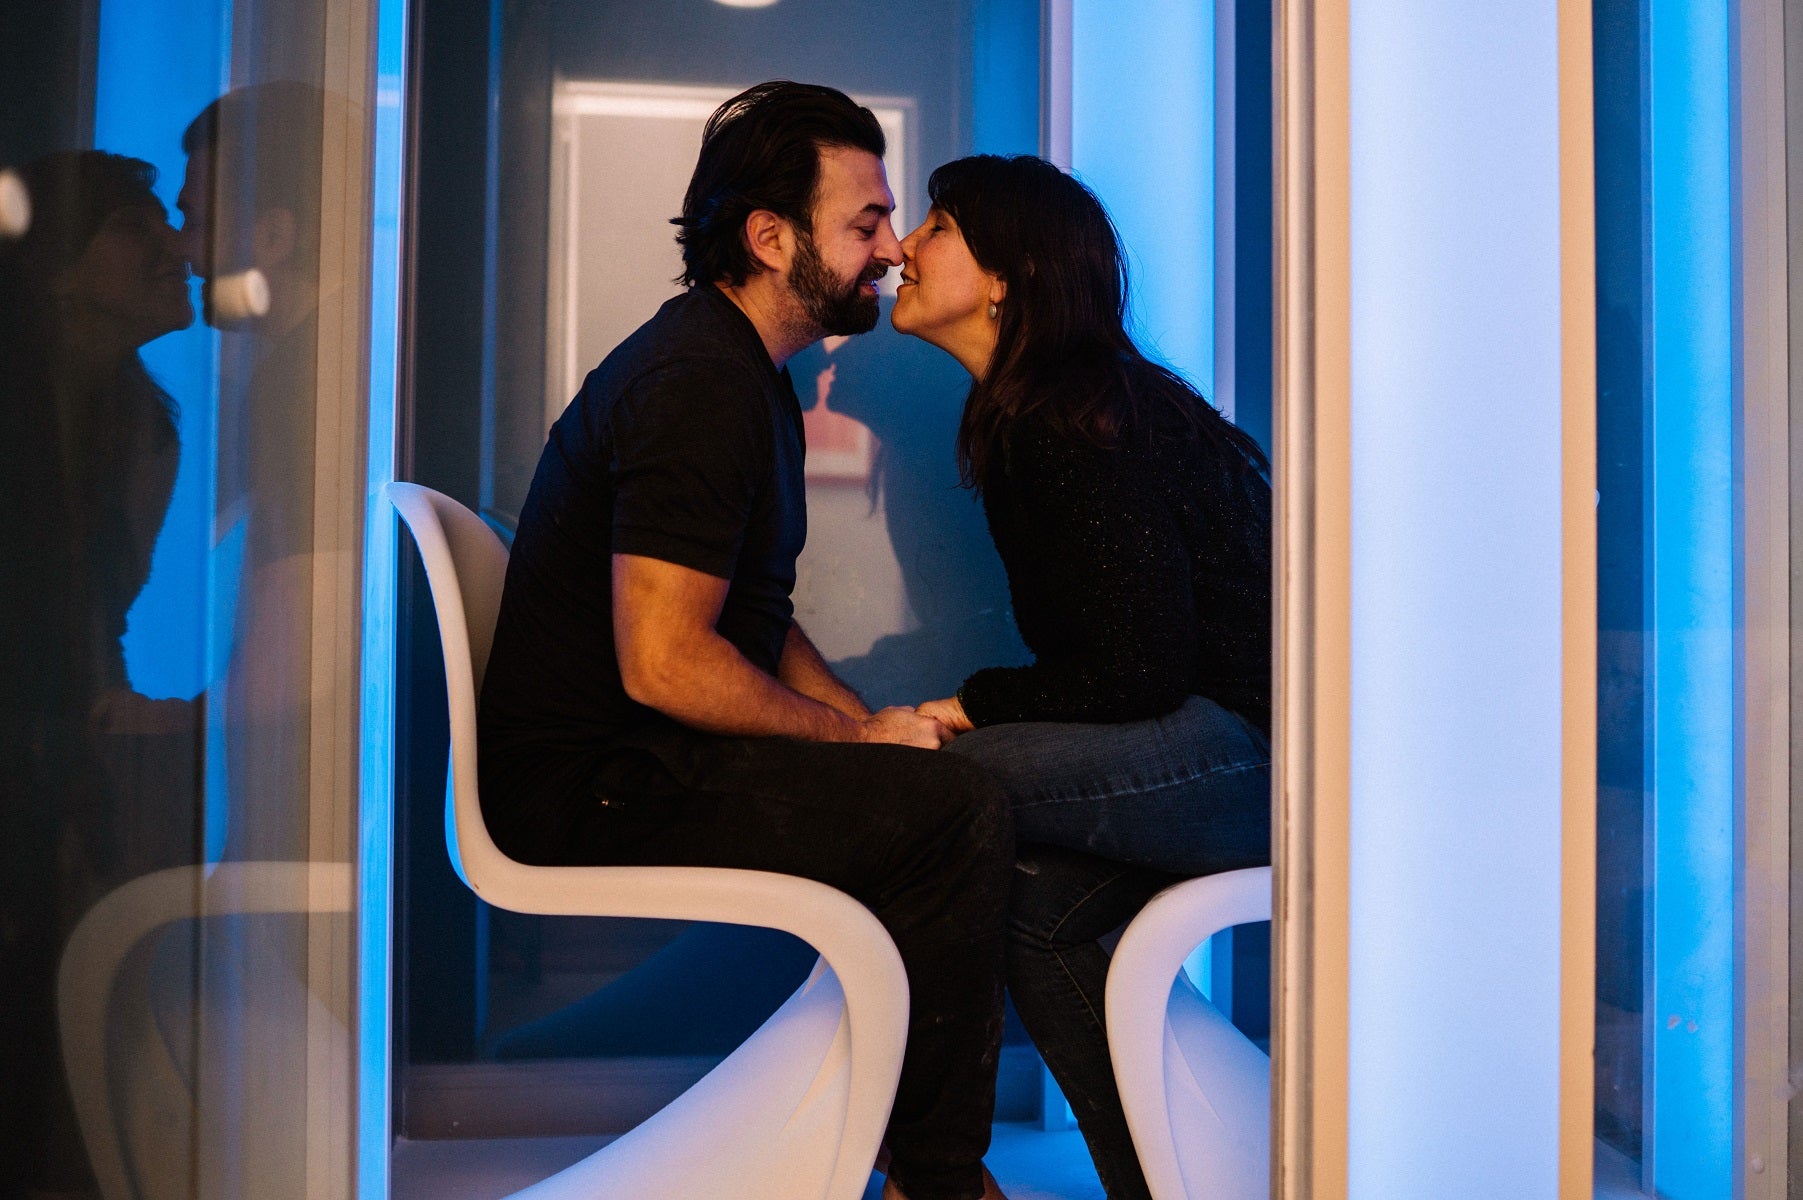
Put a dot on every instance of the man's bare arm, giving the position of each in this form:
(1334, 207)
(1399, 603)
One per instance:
(673, 659)
(803, 669)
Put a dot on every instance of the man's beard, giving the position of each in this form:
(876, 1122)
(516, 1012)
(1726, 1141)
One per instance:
(836, 308)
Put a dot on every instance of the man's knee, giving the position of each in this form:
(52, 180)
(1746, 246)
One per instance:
(976, 803)
(955, 830)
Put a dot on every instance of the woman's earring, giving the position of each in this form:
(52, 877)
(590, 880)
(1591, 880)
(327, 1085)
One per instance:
(992, 310)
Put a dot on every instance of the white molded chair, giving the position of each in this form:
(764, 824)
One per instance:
(1196, 1091)
(134, 1110)
(798, 1111)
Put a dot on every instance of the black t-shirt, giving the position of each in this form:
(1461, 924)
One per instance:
(684, 445)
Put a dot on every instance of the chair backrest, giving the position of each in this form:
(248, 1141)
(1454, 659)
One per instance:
(466, 565)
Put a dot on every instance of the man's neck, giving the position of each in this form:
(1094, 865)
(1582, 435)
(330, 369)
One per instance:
(775, 313)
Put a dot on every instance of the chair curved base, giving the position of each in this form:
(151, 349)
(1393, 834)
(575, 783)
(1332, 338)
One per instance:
(1196, 1091)
(765, 1124)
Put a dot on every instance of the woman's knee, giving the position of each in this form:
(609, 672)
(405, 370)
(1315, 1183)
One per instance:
(1063, 898)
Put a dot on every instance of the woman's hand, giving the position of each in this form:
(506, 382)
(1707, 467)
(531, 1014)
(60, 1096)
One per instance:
(949, 712)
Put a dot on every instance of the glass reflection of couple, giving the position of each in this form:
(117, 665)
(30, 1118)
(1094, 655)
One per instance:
(102, 783)
(651, 700)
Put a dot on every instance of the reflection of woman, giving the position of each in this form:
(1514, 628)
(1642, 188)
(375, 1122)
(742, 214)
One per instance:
(98, 274)
(1134, 523)
(88, 448)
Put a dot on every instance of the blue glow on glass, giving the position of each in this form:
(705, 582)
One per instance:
(1457, 601)
(1691, 611)
(159, 62)
(1142, 116)
(376, 811)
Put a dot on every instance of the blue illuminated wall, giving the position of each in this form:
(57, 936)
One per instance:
(160, 62)
(1004, 101)
(1142, 136)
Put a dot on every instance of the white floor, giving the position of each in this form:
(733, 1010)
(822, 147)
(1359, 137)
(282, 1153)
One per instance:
(1029, 1164)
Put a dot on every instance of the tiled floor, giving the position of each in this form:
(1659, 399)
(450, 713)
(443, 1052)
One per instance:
(1029, 1164)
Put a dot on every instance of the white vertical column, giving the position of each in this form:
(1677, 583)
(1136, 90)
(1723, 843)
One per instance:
(1457, 601)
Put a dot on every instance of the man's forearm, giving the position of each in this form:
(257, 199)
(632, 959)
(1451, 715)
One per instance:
(712, 687)
(803, 670)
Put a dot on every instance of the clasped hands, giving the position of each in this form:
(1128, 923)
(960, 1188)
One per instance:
(929, 725)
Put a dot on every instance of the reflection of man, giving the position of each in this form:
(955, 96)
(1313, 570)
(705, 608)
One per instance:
(650, 699)
(250, 204)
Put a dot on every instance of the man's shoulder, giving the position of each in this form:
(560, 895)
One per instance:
(688, 343)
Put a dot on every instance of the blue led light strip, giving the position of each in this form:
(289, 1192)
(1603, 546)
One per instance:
(376, 810)
(1690, 739)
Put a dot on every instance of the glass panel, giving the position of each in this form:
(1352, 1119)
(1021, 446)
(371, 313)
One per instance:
(555, 139)
(182, 592)
(1621, 666)
(598, 109)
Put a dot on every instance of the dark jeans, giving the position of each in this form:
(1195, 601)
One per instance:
(1106, 816)
(919, 837)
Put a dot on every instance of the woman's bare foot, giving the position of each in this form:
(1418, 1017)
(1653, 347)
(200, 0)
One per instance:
(991, 1189)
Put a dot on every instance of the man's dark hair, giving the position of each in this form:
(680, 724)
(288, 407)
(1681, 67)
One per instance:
(265, 145)
(761, 150)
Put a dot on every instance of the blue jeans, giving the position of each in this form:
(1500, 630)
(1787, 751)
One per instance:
(1105, 817)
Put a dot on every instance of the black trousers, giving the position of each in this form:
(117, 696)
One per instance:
(920, 837)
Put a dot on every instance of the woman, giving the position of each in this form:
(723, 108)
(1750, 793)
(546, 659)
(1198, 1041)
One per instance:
(1134, 523)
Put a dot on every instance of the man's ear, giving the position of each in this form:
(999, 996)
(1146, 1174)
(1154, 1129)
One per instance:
(771, 240)
(273, 237)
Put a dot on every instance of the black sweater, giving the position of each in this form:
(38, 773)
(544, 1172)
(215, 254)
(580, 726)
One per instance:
(1140, 574)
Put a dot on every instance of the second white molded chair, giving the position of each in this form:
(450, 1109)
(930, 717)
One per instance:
(136, 1111)
(798, 1111)
(1196, 1091)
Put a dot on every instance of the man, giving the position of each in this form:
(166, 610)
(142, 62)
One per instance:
(252, 227)
(250, 204)
(650, 698)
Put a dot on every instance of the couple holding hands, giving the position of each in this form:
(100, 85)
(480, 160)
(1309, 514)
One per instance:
(650, 699)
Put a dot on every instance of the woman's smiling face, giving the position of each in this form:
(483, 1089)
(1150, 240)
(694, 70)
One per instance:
(944, 295)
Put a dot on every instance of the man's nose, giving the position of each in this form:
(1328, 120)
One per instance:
(889, 250)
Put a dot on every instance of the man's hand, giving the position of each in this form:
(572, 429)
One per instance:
(949, 712)
(904, 727)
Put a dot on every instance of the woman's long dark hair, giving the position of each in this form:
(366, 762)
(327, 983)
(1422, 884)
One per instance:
(1063, 353)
